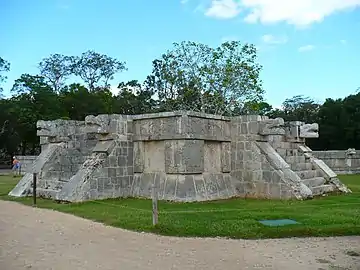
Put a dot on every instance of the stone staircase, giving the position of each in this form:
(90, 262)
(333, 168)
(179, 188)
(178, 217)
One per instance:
(313, 178)
(52, 181)
(50, 187)
(24, 186)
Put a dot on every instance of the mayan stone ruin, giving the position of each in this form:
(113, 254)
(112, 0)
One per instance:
(188, 156)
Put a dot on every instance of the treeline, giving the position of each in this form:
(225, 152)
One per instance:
(190, 76)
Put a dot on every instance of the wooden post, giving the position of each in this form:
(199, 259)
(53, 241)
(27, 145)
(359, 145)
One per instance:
(34, 188)
(154, 196)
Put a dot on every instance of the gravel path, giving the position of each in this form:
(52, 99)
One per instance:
(40, 239)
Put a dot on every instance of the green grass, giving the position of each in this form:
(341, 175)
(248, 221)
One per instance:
(237, 218)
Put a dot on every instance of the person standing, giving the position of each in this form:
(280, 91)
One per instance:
(16, 166)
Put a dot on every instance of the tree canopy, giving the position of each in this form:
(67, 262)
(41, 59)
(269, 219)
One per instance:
(190, 76)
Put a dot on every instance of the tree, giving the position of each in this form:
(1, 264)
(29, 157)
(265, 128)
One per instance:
(78, 101)
(339, 122)
(56, 69)
(93, 68)
(9, 139)
(34, 99)
(260, 108)
(195, 76)
(4, 67)
(300, 108)
(133, 98)
(26, 83)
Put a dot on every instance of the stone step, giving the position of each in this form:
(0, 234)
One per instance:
(52, 184)
(319, 190)
(46, 193)
(307, 174)
(314, 182)
(301, 166)
(295, 159)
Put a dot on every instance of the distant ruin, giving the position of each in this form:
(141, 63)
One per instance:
(189, 156)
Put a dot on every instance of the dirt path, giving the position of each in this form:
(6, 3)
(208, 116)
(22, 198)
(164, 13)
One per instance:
(42, 239)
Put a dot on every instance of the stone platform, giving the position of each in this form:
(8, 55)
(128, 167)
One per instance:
(189, 156)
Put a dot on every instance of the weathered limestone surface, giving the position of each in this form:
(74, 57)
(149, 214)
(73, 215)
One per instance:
(188, 156)
(341, 161)
(44, 159)
(26, 163)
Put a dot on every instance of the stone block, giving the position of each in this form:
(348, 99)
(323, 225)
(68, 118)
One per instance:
(111, 172)
(184, 156)
(125, 185)
(158, 128)
(185, 188)
(248, 176)
(237, 175)
(101, 183)
(322, 166)
(121, 161)
(257, 175)
(295, 159)
(201, 192)
(244, 129)
(154, 156)
(248, 155)
(228, 184)
(170, 187)
(252, 165)
(211, 185)
(197, 127)
(225, 157)
(277, 176)
(160, 180)
(239, 188)
(145, 185)
(262, 190)
(267, 176)
(135, 185)
(274, 190)
(212, 157)
(222, 187)
(139, 157)
(113, 161)
(104, 147)
(253, 127)
(285, 192)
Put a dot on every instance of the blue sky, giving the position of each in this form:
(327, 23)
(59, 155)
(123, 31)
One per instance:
(309, 47)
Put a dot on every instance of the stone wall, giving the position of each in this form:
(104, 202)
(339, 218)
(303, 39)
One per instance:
(188, 156)
(340, 161)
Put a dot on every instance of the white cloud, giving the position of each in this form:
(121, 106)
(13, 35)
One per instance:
(223, 9)
(306, 48)
(295, 12)
(343, 41)
(270, 39)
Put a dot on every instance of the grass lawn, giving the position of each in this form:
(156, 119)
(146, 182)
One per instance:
(237, 218)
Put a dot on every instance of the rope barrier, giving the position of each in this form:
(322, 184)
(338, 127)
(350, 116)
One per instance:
(225, 209)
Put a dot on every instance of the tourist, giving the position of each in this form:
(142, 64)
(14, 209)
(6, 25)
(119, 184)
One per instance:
(16, 166)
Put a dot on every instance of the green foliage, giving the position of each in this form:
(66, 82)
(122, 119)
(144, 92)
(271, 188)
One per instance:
(191, 76)
(56, 69)
(194, 76)
(237, 218)
(93, 67)
(4, 67)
